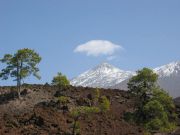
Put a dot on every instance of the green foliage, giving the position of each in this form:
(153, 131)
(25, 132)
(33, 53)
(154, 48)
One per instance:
(20, 65)
(159, 125)
(63, 99)
(84, 110)
(157, 118)
(166, 101)
(142, 84)
(104, 104)
(169, 127)
(154, 124)
(60, 80)
(155, 109)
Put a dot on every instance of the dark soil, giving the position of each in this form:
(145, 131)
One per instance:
(38, 112)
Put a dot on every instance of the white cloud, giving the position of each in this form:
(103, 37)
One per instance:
(98, 47)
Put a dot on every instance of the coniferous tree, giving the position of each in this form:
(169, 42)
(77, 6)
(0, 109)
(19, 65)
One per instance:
(60, 80)
(20, 65)
(155, 109)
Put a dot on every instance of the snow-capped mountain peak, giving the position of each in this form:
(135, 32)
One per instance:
(106, 68)
(171, 69)
(103, 75)
(108, 76)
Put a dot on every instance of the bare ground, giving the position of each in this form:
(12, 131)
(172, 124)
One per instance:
(39, 113)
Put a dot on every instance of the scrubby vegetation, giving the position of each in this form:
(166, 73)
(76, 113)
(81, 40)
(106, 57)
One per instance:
(63, 99)
(154, 108)
(77, 112)
(102, 104)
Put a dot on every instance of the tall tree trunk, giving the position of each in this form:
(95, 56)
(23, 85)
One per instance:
(20, 78)
(18, 81)
(17, 87)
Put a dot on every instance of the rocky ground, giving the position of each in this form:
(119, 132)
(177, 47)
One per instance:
(38, 112)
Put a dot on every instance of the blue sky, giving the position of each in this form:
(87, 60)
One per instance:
(148, 32)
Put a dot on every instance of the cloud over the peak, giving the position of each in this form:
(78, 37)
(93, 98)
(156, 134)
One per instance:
(98, 47)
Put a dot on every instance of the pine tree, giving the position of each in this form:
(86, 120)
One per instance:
(154, 108)
(60, 80)
(20, 65)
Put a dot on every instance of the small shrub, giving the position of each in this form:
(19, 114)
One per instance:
(154, 124)
(169, 127)
(60, 80)
(63, 99)
(84, 110)
(104, 104)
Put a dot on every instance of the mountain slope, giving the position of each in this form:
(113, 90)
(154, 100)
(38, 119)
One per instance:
(108, 76)
(102, 76)
(169, 79)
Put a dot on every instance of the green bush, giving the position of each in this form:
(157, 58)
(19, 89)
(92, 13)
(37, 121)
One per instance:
(104, 104)
(169, 127)
(84, 110)
(154, 124)
(63, 99)
(60, 80)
